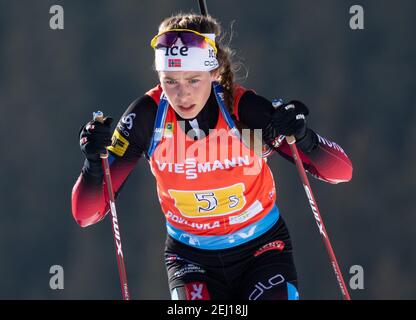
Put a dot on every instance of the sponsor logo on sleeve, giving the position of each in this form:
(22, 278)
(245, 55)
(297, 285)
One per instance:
(119, 144)
(128, 120)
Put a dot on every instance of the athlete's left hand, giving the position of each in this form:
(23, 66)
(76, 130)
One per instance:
(289, 119)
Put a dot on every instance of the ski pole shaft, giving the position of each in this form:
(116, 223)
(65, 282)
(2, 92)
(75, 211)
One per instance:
(203, 7)
(315, 210)
(318, 218)
(98, 116)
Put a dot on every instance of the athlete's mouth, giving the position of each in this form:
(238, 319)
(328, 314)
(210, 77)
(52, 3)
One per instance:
(188, 108)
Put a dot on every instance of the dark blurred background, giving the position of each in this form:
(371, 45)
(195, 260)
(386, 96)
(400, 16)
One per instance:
(358, 84)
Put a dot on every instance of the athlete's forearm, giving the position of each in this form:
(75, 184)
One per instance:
(89, 200)
(322, 158)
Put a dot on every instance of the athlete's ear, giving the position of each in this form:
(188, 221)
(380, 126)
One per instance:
(215, 74)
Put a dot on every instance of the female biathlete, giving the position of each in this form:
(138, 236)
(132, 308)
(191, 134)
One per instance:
(226, 238)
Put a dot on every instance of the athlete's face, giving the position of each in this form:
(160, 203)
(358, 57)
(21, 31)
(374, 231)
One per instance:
(187, 91)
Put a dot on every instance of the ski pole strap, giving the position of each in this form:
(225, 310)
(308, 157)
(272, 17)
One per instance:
(219, 95)
(162, 111)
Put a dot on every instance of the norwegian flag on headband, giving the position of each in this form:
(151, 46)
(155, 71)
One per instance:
(175, 63)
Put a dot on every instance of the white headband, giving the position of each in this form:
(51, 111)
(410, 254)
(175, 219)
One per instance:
(182, 58)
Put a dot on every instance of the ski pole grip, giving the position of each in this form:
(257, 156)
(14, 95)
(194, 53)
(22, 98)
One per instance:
(291, 140)
(99, 116)
(276, 104)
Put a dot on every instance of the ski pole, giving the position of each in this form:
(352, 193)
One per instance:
(203, 7)
(315, 210)
(98, 116)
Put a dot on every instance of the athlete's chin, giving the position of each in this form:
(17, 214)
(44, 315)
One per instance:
(187, 116)
(188, 112)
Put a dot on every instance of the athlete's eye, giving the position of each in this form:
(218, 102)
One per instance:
(170, 81)
(192, 81)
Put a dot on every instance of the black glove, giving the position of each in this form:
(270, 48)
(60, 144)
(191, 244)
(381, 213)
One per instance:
(289, 119)
(94, 138)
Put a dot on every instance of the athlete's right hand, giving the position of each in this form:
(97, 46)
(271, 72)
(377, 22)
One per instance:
(94, 137)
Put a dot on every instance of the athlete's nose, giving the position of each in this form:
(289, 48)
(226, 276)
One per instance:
(182, 92)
